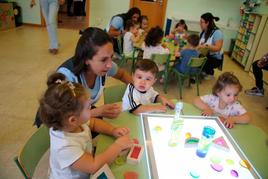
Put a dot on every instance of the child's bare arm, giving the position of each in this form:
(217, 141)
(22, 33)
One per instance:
(150, 108)
(103, 127)
(230, 121)
(89, 164)
(135, 38)
(206, 110)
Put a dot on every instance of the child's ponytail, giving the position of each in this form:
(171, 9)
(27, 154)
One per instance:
(61, 100)
(55, 78)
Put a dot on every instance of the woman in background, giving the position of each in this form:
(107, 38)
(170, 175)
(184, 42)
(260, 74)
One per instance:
(211, 38)
(50, 10)
(117, 24)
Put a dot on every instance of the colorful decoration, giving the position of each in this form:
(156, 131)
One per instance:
(248, 6)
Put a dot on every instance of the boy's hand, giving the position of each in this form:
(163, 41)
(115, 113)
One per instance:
(160, 108)
(168, 103)
(177, 54)
(124, 142)
(120, 131)
(110, 110)
(207, 112)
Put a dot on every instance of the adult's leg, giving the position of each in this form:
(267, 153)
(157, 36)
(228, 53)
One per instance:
(258, 74)
(69, 7)
(50, 12)
(83, 8)
(53, 24)
(210, 64)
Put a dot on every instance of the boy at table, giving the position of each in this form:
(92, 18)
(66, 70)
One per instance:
(140, 95)
(190, 51)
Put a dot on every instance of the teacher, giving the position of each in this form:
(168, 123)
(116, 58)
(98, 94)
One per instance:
(91, 64)
(117, 24)
(211, 38)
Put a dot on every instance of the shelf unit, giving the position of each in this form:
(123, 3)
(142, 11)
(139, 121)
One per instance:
(248, 37)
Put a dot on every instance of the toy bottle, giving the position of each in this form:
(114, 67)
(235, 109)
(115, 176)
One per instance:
(176, 126)
(205, 141)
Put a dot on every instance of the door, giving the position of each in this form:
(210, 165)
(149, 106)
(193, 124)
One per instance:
(155, 10)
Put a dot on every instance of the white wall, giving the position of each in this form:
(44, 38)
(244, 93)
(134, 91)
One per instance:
(101, 11)
(29, 15)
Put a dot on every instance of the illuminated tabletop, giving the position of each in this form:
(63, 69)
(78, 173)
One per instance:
(252, 141)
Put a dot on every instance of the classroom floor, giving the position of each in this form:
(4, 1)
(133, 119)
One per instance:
(25, 65)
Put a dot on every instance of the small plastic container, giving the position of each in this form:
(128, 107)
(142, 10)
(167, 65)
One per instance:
(205, 141)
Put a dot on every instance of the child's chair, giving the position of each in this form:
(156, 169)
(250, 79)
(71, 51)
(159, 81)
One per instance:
(114, 94)
(125, 57)
(197, 63)
(33, 151)
(164, 59)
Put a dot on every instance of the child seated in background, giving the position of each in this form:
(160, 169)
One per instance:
(223, 101)
(188, 52)
(131, 36)
(65, 109)
(144, 24)
(140, 95)
(179, 30)
(152, 43)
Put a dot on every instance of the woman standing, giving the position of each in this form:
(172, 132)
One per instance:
(91, 64)
(211, 38)
(50, 10)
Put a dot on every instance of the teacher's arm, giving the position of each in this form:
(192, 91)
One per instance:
(113, 32)
(215, 47)
(123, 76)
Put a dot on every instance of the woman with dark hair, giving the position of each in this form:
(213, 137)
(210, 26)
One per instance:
(117, 24)
(211, 38)
(90, 65)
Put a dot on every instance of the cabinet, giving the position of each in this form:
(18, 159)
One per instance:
(248, 37)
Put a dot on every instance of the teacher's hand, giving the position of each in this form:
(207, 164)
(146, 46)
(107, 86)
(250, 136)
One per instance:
(110, 110)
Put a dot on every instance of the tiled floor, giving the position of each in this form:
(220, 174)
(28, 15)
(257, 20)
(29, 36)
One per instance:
(25, 65)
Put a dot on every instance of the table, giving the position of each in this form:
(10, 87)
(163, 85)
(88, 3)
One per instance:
(252, 140)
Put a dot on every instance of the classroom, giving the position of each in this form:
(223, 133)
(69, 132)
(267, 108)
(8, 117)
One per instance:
(30, 54)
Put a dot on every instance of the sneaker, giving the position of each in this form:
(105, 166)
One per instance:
(255, 92)
(53, 51)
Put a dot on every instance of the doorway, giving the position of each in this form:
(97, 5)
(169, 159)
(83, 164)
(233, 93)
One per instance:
(155, 10)
(74, 14)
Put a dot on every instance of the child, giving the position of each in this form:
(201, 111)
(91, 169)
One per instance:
(65, 109)
(224, 101)
(139, 95)
(153, 43)
(144, 25)
(131, 36)
(187, 53)
(179, 30)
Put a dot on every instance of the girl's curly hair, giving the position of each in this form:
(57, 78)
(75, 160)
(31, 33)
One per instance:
(154, 36)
